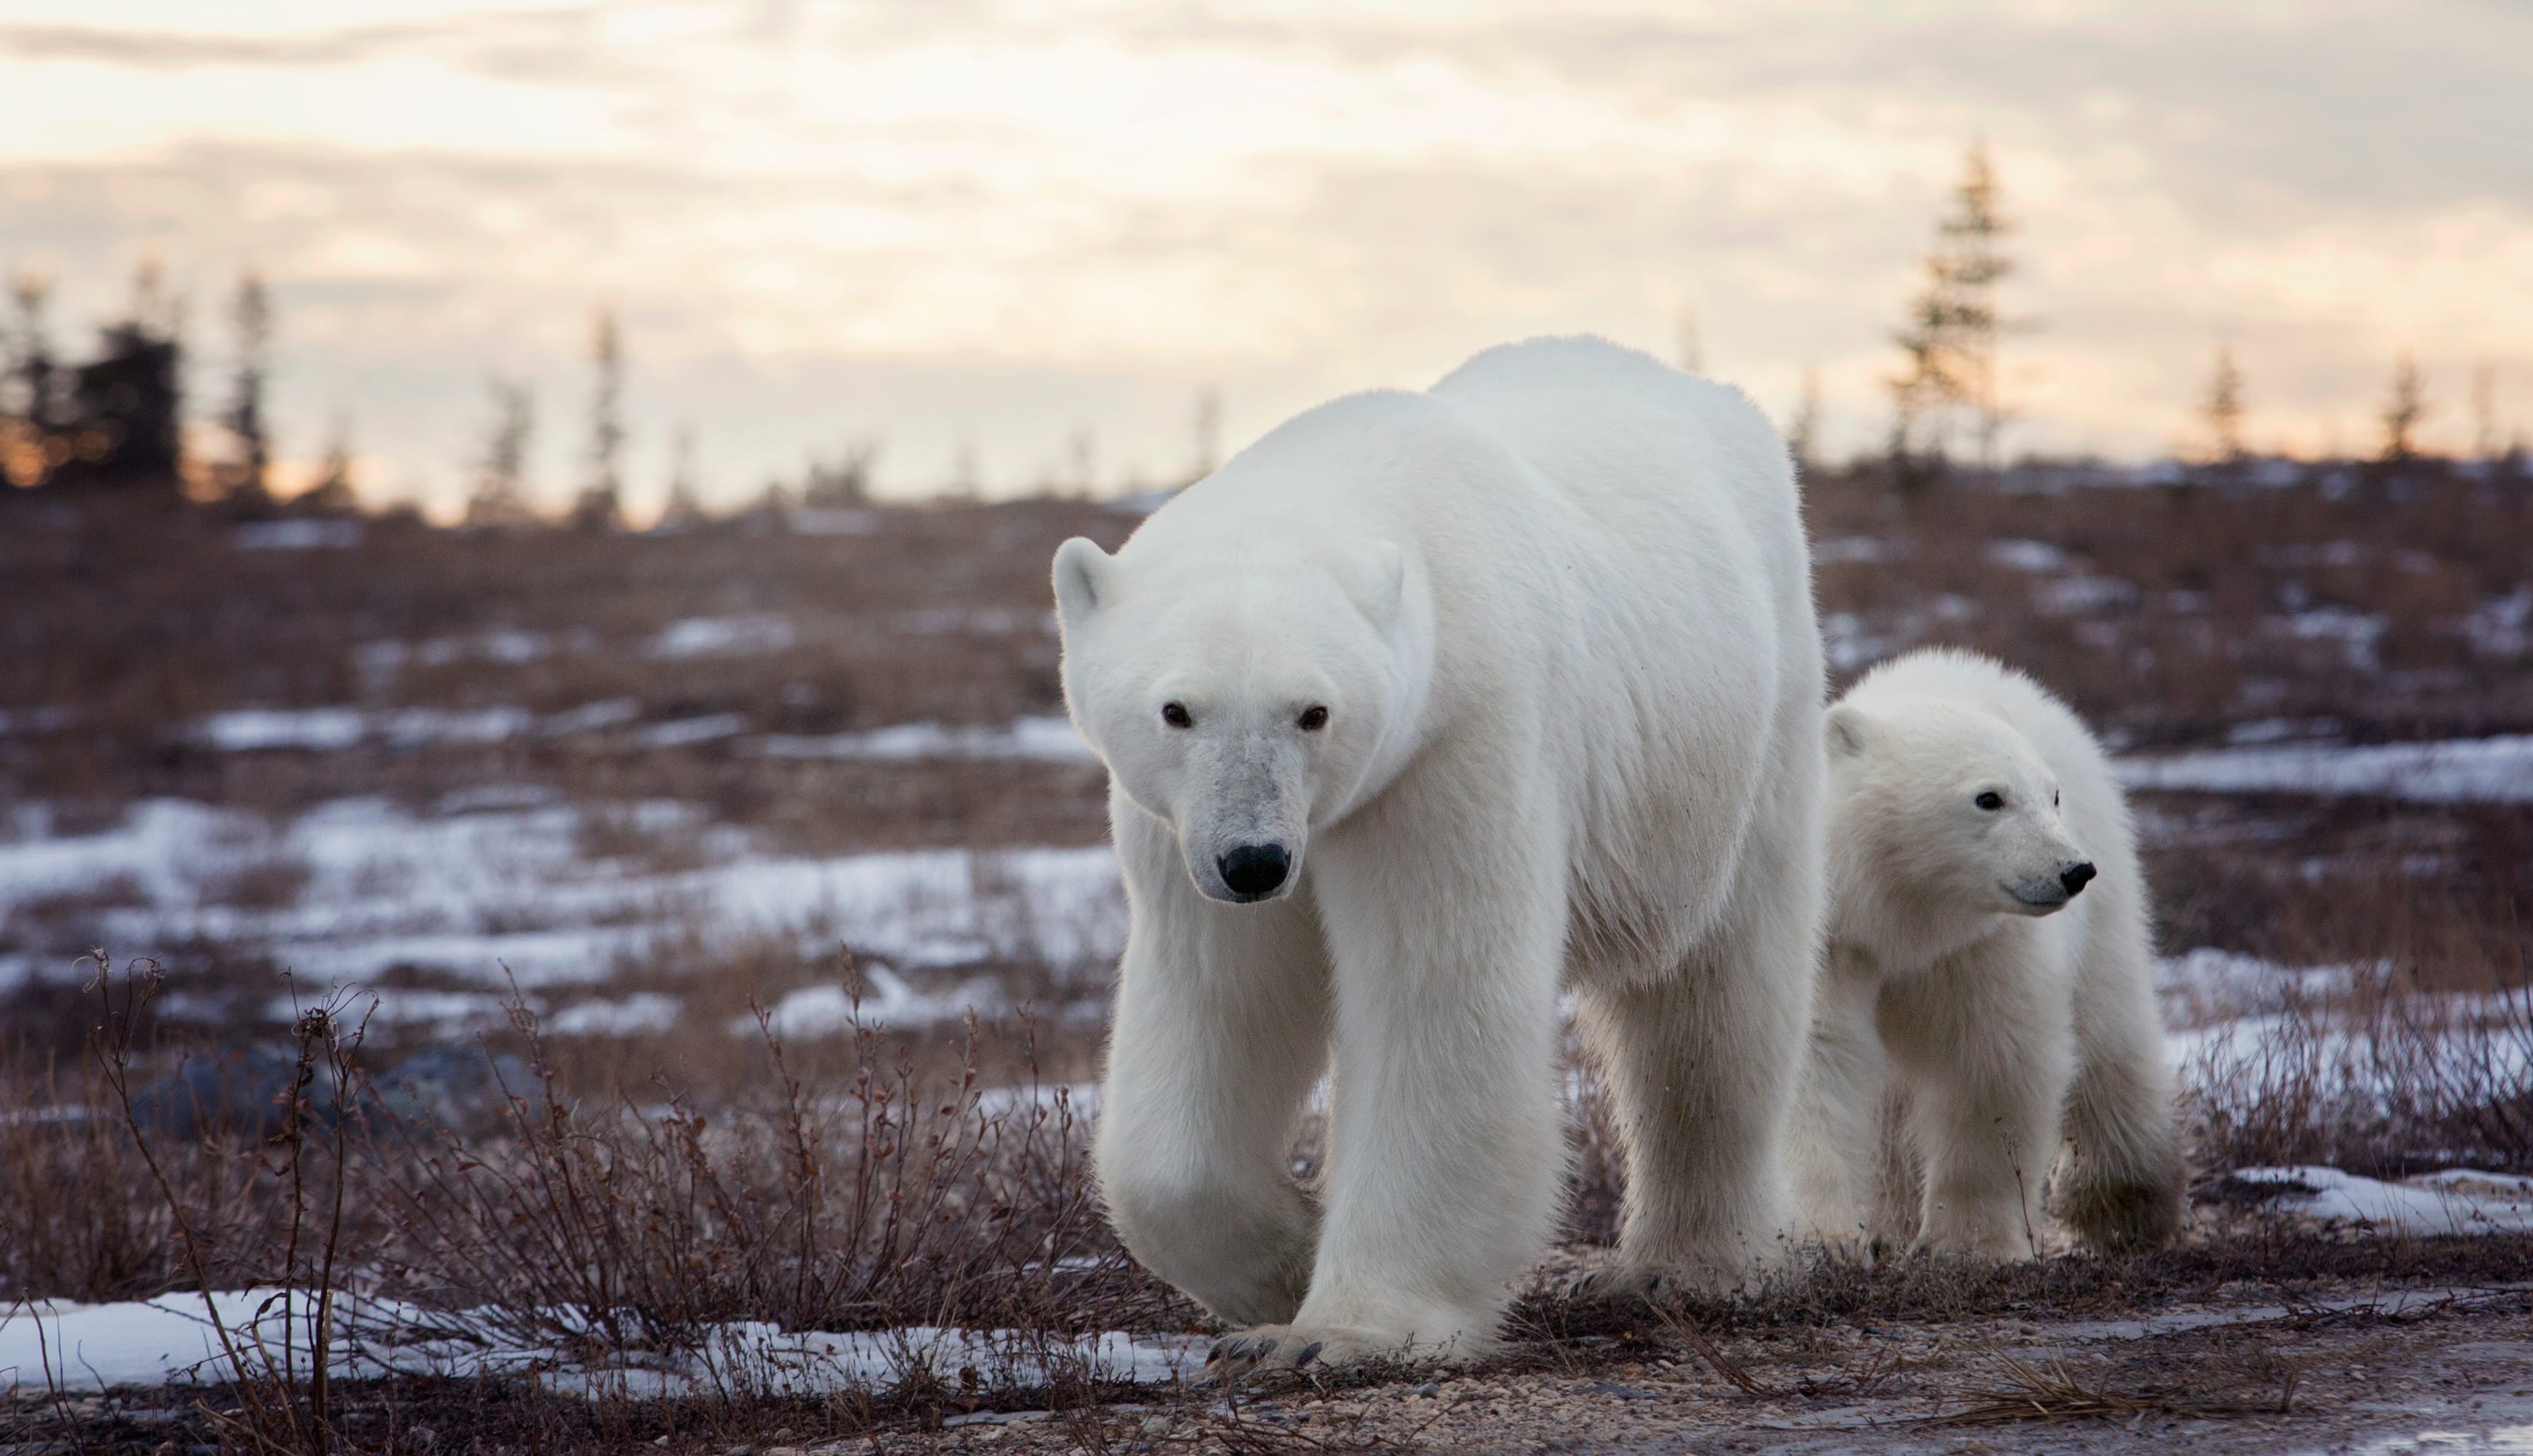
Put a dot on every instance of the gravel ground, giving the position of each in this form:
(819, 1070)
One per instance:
(2373, 1370)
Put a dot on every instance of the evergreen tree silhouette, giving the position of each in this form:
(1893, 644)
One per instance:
(32, 446)
(2221, 411)
(2403, 411)
(126, 409)
(247, 476)
(601, 506)
(684, 507)
(1950, 342)
(500, 495)
(335, 492)
(1803, 432)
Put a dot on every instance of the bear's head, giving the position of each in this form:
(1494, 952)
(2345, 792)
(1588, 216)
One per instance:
(1940, 809)
(1243, 698)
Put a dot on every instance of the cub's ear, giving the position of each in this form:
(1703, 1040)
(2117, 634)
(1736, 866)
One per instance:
(1381, 580)
(1850, 730)
(1082, 572)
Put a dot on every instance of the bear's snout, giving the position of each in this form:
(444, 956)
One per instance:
(2076, 877)
(1255, 871)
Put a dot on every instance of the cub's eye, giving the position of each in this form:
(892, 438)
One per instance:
(2053, 798)
(1313, 718)
(1176, 714)
(1991, 801)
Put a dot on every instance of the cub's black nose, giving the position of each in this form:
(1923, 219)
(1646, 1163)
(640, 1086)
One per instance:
(1253, 870)
(2075, 878)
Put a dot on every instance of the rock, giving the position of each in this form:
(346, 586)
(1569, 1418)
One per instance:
(454, 1085)
(239, 1089)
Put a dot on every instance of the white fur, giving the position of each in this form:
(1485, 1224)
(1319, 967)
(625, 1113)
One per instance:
(1559, 608)
(1962, 981)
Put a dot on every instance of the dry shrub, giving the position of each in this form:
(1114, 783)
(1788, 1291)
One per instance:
(902, 1198)
(2379, 1078)
(76, 1218)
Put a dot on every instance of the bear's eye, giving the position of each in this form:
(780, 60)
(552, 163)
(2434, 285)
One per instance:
(1990, 800)
(1313, 718)
(2053, 798)
(1176, 714)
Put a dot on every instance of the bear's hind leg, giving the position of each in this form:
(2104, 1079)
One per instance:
(1702, 1065)
(1838, 1126)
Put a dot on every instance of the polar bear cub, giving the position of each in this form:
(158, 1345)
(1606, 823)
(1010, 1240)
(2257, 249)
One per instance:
(1986, 1003)
(1423, 709)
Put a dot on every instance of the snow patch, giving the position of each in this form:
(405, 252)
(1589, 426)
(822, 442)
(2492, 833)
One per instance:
(686, 730)
(889, 1003)
(1864, 549)
(2026, 555)
(2457, 1202)
(495, 887)
(1046, 739)
(645, 1013)
(171, 1340)
(747, 635)
(2496, 771)
(2358, 633)
(296, 536)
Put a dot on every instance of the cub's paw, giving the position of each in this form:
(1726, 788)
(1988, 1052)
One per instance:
(2121, 1215)
(1271, 1348)
(1621, 1284)
(1635, 1283)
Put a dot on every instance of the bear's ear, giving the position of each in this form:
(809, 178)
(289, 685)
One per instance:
(1850, 730)
(1381, 580)
(1081, 578)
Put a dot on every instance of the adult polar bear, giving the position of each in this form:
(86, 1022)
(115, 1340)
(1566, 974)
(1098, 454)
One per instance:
(1423, 706)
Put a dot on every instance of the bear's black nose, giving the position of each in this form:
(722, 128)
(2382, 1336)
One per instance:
(2076, 877)
(1253, 870)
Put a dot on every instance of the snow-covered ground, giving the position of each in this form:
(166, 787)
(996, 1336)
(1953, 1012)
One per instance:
(2239, 1023)
(1040, 737)
(498, 885)
(2456, 1201)
(1050, 739)
(2475, 770)
(172, 1339)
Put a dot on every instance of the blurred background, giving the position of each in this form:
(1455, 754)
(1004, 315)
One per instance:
(552, 503)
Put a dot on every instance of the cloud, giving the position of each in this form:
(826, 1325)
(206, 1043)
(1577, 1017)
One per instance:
(1002, 223)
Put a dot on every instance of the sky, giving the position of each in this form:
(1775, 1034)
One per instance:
(1018, 241)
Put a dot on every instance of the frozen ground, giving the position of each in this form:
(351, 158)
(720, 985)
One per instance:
(500, 884)
(173, 1340)
(1041, 739)
(2496, 771)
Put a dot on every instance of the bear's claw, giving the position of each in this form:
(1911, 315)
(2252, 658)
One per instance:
(1617, 1284)
(1289, 1350)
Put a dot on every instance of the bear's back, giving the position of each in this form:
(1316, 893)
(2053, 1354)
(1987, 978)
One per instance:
(1609, 428)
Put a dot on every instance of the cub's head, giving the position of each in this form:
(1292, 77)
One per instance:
(1943, 805)
(1243, 700)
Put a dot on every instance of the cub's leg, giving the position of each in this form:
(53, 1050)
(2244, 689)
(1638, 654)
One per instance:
(1222, 1026)
(1983, 1044)
(2121, 1178)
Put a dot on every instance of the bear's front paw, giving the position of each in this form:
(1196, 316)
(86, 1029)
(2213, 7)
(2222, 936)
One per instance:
(1269, 1348)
